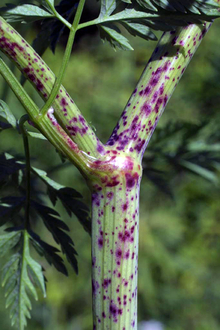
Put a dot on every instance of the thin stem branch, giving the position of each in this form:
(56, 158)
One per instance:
(58, 16)
(66, 57)
(22, 121)
(19, 91)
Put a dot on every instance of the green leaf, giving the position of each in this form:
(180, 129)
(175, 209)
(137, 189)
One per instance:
(142, 15)
(107, 7)
(201, 171)
(6, 114)
(75, 206)
(24, 13)
(48, 4)
(69, 198)
(36, 135)
(202, 146)
(10, 207)
(8, 241)
(43, 176)
(20, 275)
(57, 229)
(129, 14)
(113, 35)
(9, 165)
(147, 4)
(138, 29)
(49, 252)
(208, 7)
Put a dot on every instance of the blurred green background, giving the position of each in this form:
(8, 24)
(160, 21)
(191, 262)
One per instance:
(179, 263)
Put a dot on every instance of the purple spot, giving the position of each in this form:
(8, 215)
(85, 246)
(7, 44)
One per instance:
(100, 242)
(39, 85)
(95, 287)
(154, 98)
(118, 253)
(131, 180)
(146, 108)
(174, 40)
(147, 90)
(127, 254)
(63, 102)
(139, 146)
(106, 283)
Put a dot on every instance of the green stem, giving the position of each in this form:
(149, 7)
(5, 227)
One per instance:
(48, 125)
(23, 270)
(19, 91)
(155, 87)
(115, 226)
(65, 110)
(58, 16)
(66, 57)
(22, 121)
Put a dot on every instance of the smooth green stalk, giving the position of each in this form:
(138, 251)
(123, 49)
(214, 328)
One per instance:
(23, 270)
(58, 16)
(13, 83)
(22, 121)
(65, 61)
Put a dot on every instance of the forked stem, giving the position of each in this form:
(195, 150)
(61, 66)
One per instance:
(113, 172)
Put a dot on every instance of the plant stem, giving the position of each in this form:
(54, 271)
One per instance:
(58, 16)
(113, 172)
(65, 110)
(66, 57)
(28, 168)
(48, 124)
(115, 224)
(155, 87)
(115, 197)
(19, 91)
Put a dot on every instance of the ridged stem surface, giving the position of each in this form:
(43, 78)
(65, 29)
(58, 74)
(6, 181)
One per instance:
(115, 227)
(42, 78)
(156, 85)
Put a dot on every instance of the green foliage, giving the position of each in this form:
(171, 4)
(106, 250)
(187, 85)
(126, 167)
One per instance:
(182, 147)
(20, 275)
(8, 241)
(140, 17)
(112, 34)
(10, 206)
(24, 13)
(6, 114)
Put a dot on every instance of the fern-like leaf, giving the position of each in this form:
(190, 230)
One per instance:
(20, 276)
(140, 17)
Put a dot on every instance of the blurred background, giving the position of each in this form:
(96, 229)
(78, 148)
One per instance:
(179, 262)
